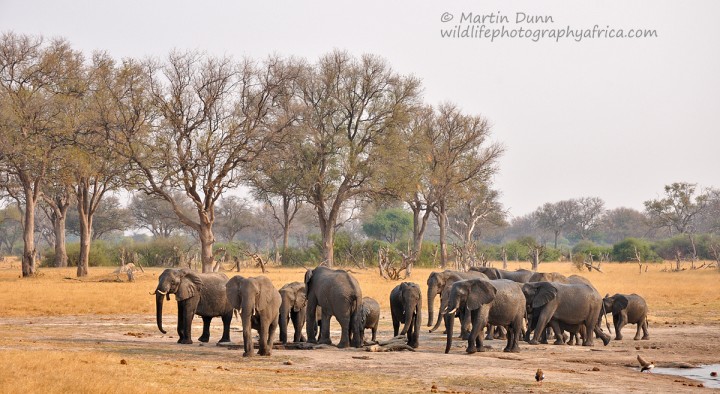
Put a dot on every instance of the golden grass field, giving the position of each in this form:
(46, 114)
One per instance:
(45, 347)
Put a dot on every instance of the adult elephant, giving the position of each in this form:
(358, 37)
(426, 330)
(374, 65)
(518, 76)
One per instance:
(520, 276)
(450, 279)
(497, 302)
(548, 277)
(436, 284)
(569, 304)
(196, 294)
(406, 307)
(259, 305)
(338, 294)
(627, 309)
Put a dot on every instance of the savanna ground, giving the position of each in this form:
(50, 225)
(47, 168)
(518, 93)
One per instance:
(60, 334)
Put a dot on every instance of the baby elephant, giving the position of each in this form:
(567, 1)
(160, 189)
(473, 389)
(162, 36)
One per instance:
(627, 309)
(370, 315)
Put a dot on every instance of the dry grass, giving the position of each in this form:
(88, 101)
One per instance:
(36, 358)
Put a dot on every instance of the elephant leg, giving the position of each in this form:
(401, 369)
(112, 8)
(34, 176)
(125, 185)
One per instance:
(263, 328)
(559, 339)
(543, 318)
(325, 329)
(489, 333)
(396, 325)
(412, 334)
(617, 322)
(311, 325)
(646, 334)
(345, 329)
(185, 316)
(271, 334)
(638, 331)
(297, 326)
(475, 338)
(513, 336)
(374, 333)
(205, 337)
(226, 319)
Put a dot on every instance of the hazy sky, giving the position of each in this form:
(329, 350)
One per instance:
(613, 118)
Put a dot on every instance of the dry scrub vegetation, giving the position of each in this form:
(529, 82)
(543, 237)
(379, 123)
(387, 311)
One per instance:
(60, 334)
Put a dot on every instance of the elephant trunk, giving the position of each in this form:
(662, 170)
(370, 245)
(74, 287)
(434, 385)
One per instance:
(432, 292)
(449, 322)
(441, 312)
(283, 321)
(159, 299)
(409, 313)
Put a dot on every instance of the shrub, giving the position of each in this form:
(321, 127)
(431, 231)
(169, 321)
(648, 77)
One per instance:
(625, 250)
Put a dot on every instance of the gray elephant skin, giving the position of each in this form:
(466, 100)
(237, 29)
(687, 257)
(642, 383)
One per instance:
(437, 283)
(628, 309)
(338, 294)
(569, 304)
(548, 277)
(259, 305)
(370, 315)
(406, 308)
(520, 276)
(499, 302)
(195, 293)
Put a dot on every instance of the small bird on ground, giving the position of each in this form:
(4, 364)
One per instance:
(539, 376)
(644, 365)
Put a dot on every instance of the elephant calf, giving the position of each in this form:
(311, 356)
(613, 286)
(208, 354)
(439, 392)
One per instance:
(406, 307)
(259, 305)
(370, 315)
(627, 309)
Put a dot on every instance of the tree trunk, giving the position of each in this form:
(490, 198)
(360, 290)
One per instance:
(207, 239)
(328, 243)
(556, 237)
(85, 237)
(442, 222)
(419, 226)
(29, 252)
(61, 259)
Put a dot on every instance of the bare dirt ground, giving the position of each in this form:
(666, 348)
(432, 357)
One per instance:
(131, 345)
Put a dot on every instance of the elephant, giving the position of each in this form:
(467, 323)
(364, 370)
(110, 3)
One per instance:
(338, 294)
(293, 305)
(450, 278)
(370, 315)
(498, 302)
(548, 277)
(627, 309)
(406, 307)
(259, 305)
(436, 284)
(520, 276)
(195, 293)
(570, 304)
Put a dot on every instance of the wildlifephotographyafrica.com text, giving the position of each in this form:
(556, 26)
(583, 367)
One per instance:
(497, 26)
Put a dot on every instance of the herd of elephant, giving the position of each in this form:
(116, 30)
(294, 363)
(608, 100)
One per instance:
(515, 305)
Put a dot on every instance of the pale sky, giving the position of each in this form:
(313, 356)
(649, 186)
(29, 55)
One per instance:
(612, 118)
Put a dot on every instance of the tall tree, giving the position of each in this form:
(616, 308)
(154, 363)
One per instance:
(35, 80)
(556, 217)
(57, 200)
(588, 215)
(156, 215)
(620, 223)
(353, 111)
(460, 152)
(214, 117)
(233, 214)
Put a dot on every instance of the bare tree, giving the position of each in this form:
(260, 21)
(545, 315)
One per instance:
(476, 204)
(214, 117)
(353, 111)
(588, 215)
(57, 200)
(460, 152)
(556, 217)
(233, 214)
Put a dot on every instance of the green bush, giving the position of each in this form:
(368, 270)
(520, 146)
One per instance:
(102, 254)
(625, 250)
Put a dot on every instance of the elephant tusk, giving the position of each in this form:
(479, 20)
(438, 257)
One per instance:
(452, 311)
(161, 292)
(152, 293)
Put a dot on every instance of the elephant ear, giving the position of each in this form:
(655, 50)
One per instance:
(481, 292)
(308, 277)
(190, 285)
(300, 300)
(620, 303)
(545, 293)
(232, 291)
